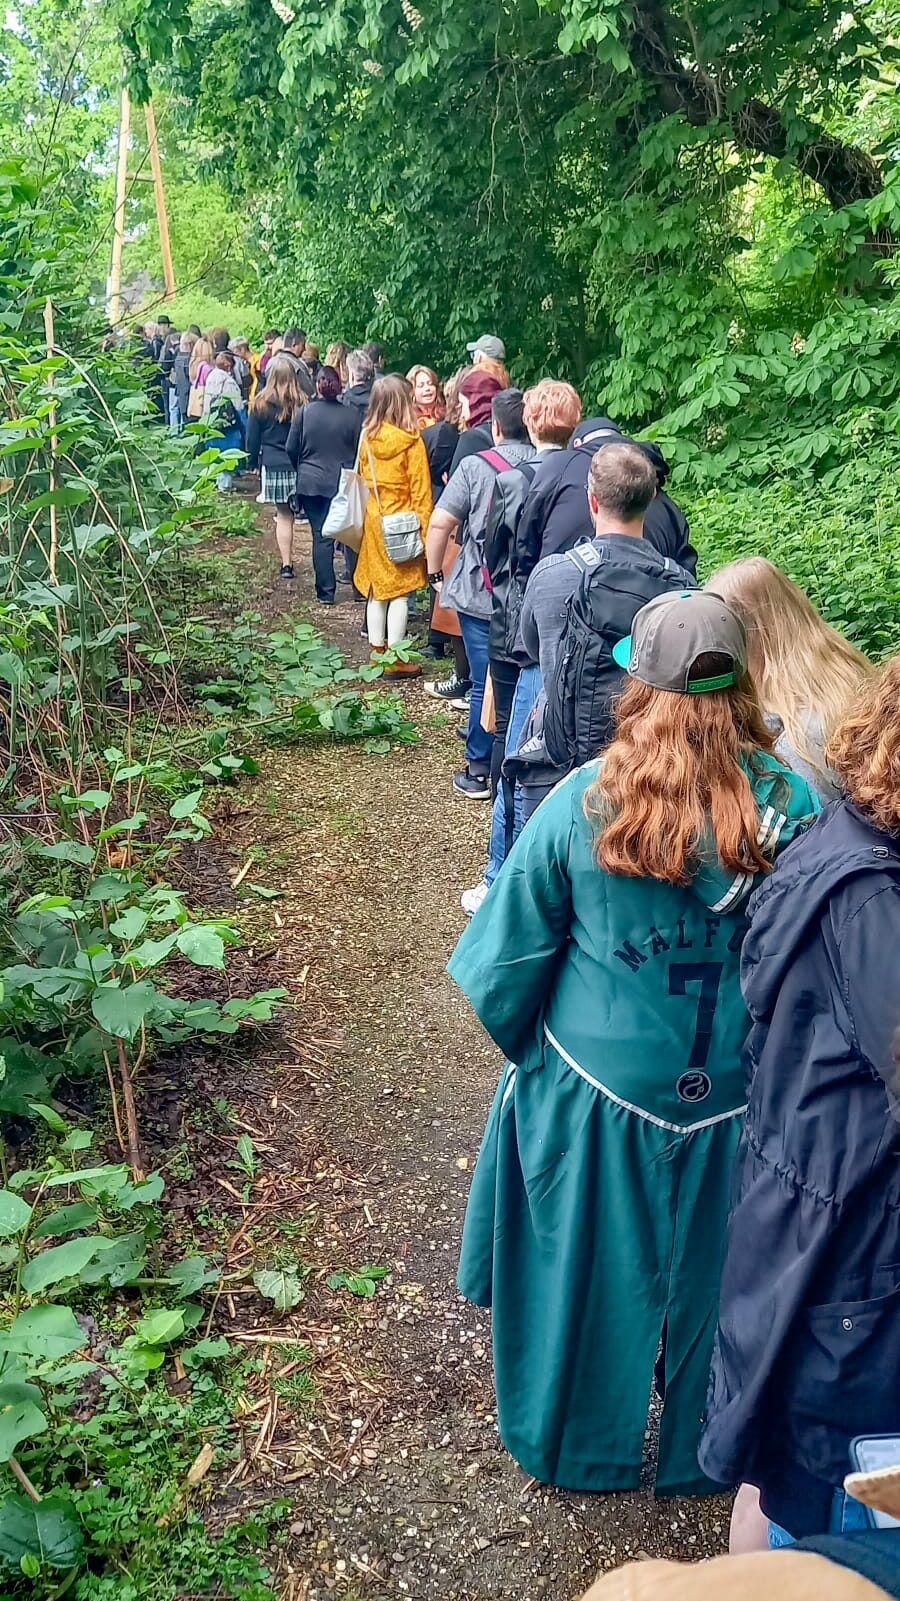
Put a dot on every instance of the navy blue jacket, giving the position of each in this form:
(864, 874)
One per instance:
(808, 1345)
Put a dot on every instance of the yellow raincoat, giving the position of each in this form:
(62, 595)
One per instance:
(399, 461)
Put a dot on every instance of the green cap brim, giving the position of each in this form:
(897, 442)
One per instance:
(622, 652)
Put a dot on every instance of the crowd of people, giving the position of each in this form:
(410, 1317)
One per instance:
(683, 939)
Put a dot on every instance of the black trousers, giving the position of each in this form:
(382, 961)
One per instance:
(316, 509)
(504, 677)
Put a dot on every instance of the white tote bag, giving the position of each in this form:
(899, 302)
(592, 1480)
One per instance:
(347, 512)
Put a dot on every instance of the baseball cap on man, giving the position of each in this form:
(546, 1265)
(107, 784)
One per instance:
(671, 633)
(488, 345)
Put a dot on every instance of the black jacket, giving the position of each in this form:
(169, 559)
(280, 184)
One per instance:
(323, 439)
(181, 380)
(808, 1346)
(440, 441)
(470, 442)
(267, 441)
(557, 514)
(357, 397)
(510, 494)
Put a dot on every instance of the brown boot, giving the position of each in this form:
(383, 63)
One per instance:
(403, 670)
(375, 654)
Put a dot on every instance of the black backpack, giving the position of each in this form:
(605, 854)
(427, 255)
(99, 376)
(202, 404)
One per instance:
(578, 720)
(508, 496)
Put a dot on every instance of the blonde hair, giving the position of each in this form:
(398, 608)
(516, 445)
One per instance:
(800, 664)
(865, 750)
(202, 352)
(336, 357)
(451, 395)
(392, 402)
(281, 393)
(672, 771)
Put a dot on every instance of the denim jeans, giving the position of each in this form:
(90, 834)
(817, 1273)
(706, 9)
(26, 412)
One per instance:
(316, 509)
(478, 743)
(847, 1517)
(527, 690)
(504, 677)
(176, 421)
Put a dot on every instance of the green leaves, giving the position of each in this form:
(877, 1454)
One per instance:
(43, 1332)
(21, 1416)
(363, 1283)
(202, 945)
(281, 1286)
(45, 1532)
(14, 1213)
(122, 1008)
(60, 1262)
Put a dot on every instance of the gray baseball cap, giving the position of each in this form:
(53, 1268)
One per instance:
(488, 345)
(672, 631)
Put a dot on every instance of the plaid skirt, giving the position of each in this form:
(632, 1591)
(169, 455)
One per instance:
(278, 484)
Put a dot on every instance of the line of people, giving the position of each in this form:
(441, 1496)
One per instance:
(695, 839)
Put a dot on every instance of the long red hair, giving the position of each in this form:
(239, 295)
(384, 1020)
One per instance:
(672, 772)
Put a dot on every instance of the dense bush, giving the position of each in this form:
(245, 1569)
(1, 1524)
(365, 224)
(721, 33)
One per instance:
(840, 543)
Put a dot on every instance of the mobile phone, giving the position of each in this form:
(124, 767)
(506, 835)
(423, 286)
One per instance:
(871, 1454)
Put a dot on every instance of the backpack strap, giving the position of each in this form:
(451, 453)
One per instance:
(584, 556)
(495, 460)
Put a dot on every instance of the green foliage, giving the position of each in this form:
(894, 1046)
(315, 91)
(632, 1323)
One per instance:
(364, 1282)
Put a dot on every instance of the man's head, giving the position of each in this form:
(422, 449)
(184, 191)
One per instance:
(375, 353)
(621, 485)
(241, 347)
(507, 421)
(294, 340)
(194, 328)
(270, 336)
(552, 409)
(360, 367)
(487, 345)
(150, 330)
(165, 323)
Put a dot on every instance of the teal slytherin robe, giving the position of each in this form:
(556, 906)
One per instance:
(595, 1222)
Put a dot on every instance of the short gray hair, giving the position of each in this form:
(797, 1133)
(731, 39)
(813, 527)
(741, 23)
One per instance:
(360, 367)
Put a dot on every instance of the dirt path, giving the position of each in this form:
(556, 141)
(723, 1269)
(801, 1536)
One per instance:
(407, 1491)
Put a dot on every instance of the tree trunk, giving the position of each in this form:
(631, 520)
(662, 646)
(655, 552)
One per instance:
(844, 172)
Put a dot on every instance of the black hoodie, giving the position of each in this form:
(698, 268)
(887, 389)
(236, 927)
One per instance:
(807, 1352)
(556, 514)
(357, 396)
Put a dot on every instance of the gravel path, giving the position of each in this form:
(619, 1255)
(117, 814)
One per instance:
(373, 852)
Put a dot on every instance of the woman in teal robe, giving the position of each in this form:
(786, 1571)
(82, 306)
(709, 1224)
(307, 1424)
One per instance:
(595, 1222)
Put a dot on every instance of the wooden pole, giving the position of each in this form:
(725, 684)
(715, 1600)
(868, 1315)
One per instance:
(114, 304)
(50, 335)
(161, 217)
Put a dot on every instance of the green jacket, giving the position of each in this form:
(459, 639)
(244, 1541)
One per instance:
(597, 1210)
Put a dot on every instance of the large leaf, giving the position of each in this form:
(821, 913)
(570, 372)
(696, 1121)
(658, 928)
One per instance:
(202, 945)
(281, 1286)
(122, 1008)
(21, 1416)
(124, 1262)
(43, 1332)
(48, 1530)
(160, 1326)
(62, 1262)
(191, 1275)
(129, 924)
(67, 850)
(186, 805)
(65, 1220)
(14, 1213)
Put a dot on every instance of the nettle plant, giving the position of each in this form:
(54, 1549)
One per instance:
(68, 1233)
(91, 974)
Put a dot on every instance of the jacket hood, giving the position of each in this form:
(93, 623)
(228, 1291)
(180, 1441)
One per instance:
(389, 441)
(587, 435)
(842, 844)
(595, 431)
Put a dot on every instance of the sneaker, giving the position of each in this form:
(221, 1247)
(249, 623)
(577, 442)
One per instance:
(475, 786)
(447, 689)
(471, 899)
(324, 600)
(344, 578)
(461, 703)
(287, 570)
